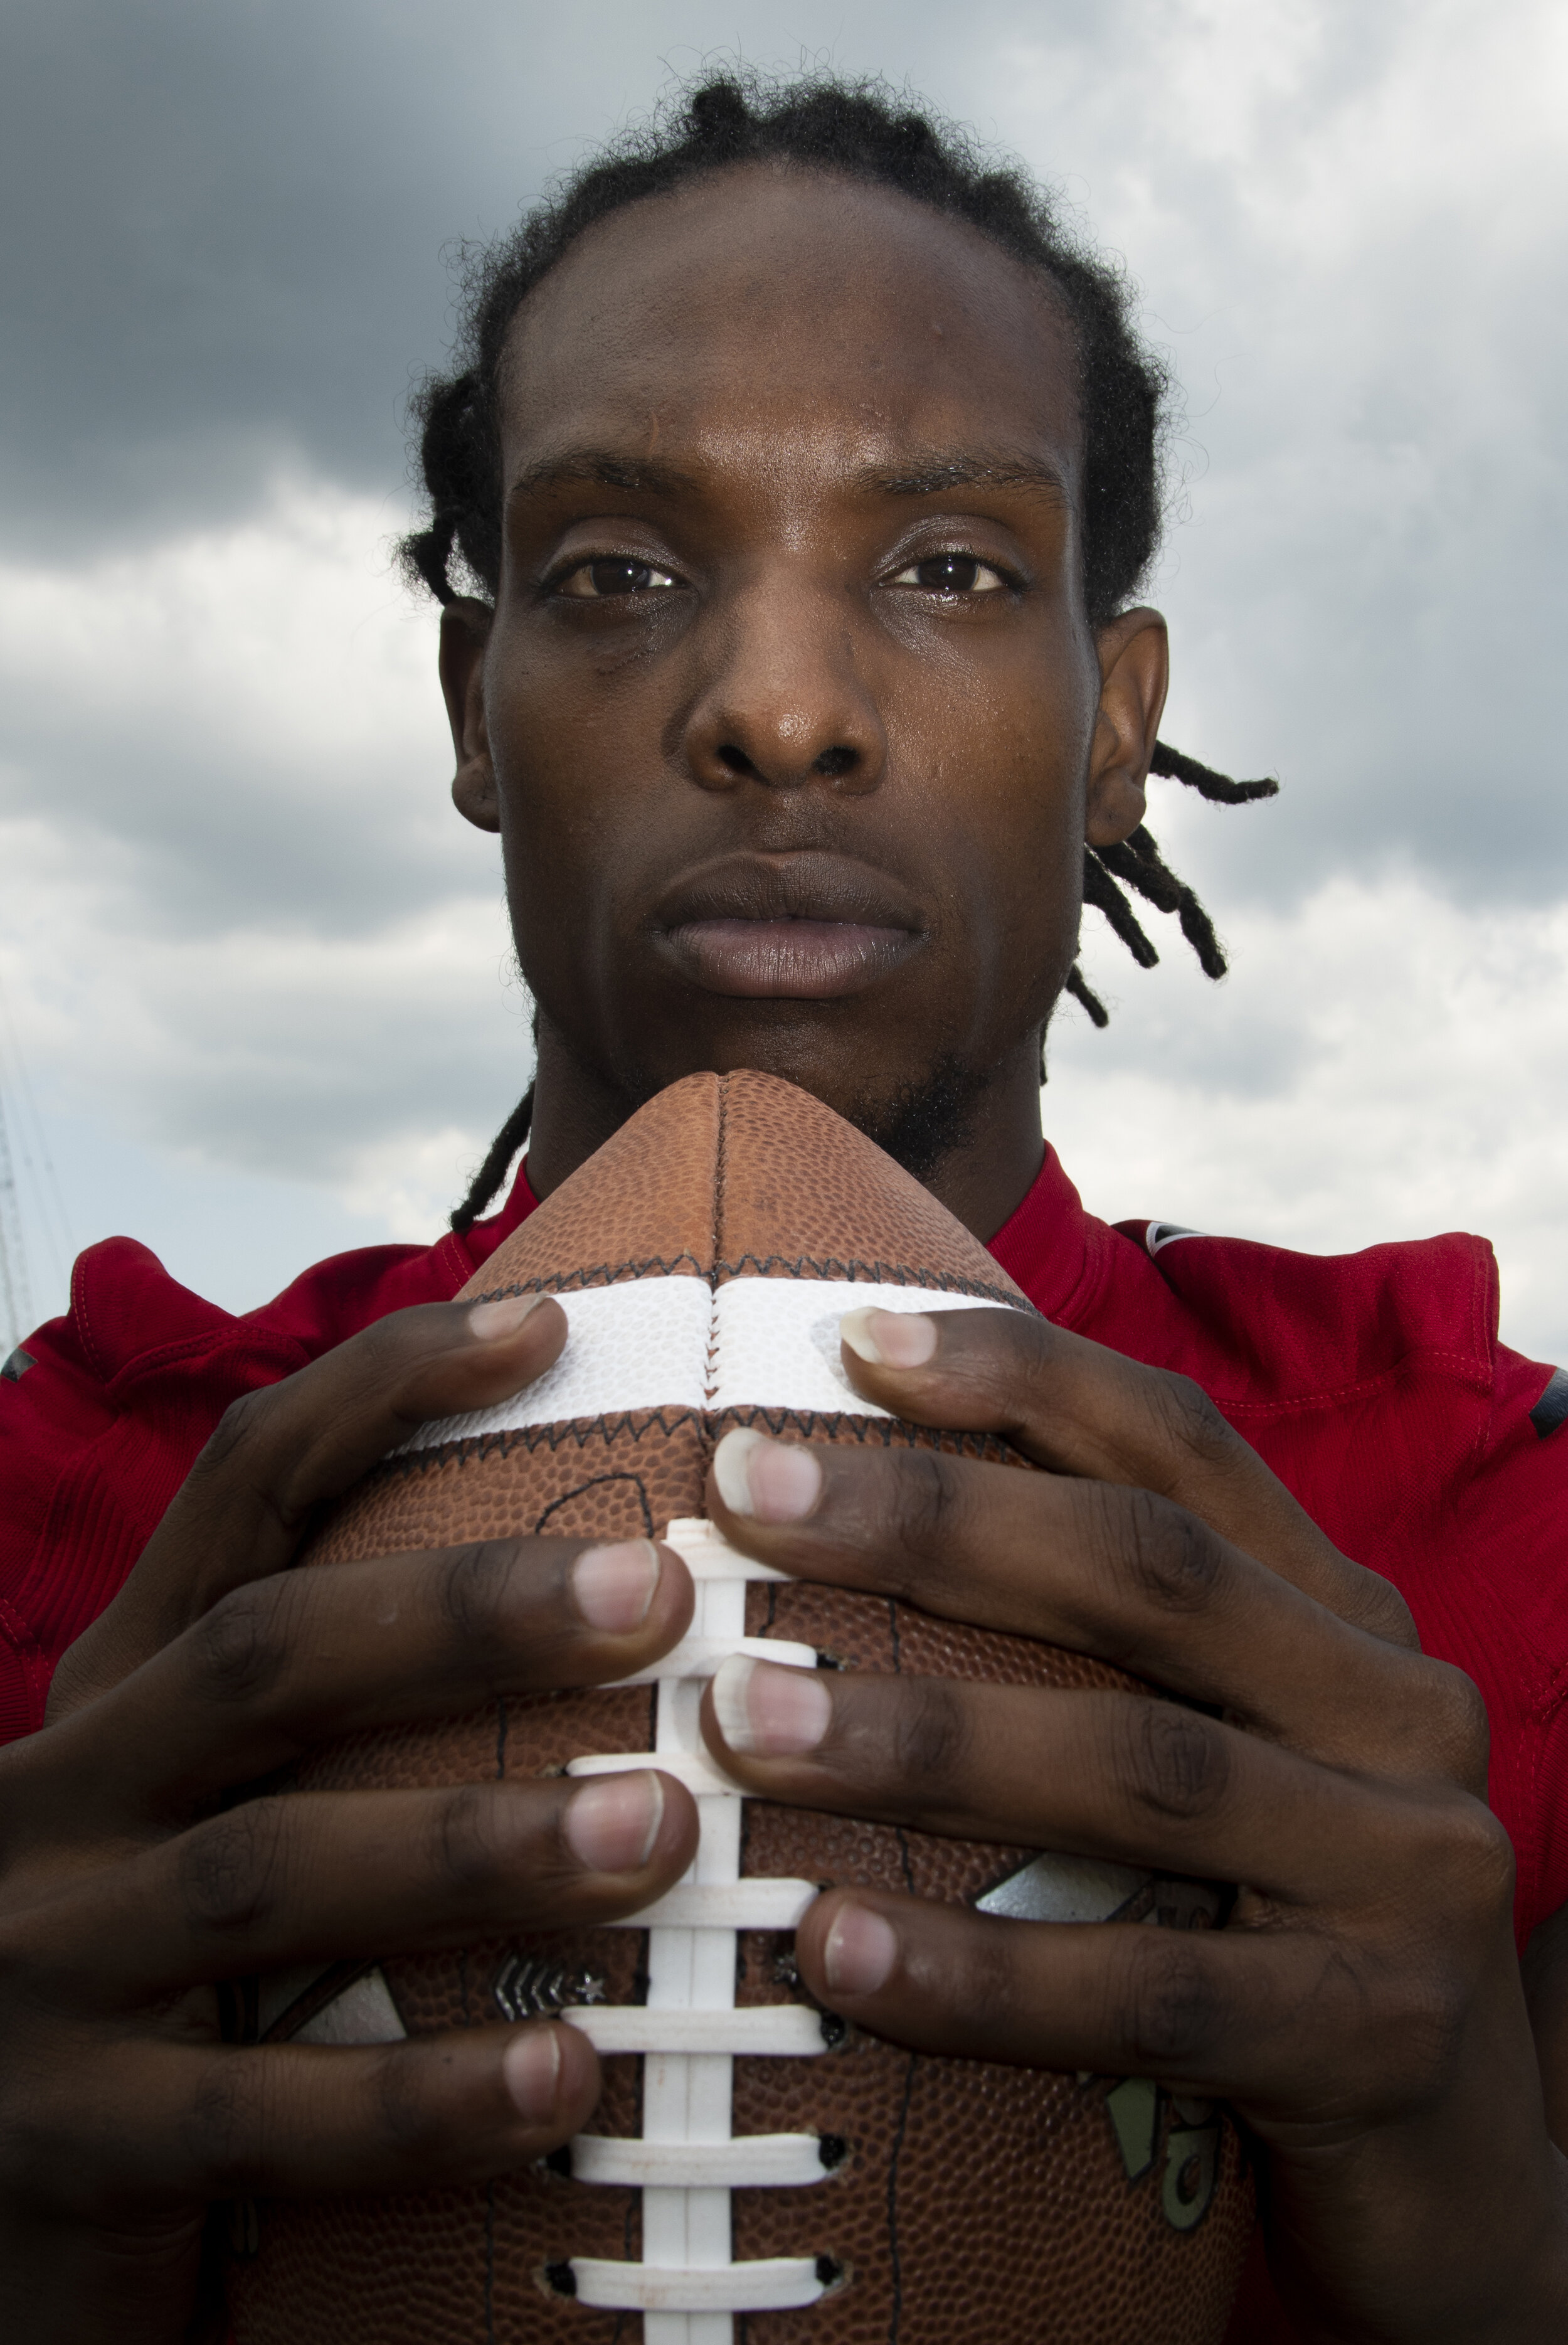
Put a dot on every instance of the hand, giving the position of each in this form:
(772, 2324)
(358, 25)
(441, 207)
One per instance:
(1362, 2011)
(132, 1881)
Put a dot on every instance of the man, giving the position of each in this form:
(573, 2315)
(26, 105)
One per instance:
(804, 474)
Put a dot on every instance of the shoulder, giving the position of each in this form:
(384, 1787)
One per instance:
(1375, 1386)
(1267, 1327)
(1373, 1383)
(104, 1411)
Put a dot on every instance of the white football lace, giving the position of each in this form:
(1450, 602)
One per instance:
(688, 2286)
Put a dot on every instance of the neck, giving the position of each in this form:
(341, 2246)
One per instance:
(981, 1180)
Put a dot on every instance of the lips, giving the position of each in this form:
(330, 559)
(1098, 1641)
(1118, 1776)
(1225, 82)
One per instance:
(808, 928)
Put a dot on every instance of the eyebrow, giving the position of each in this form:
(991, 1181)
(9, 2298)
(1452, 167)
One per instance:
(640, 476)
(929, 473)
(933, 474)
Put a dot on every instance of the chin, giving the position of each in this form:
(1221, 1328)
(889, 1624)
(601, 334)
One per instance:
(917, 1111)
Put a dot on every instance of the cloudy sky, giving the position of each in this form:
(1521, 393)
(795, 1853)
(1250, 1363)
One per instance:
(254, 992)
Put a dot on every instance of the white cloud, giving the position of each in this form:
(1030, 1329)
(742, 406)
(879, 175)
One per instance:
(1380, 1064)
(243, 928)
(1345, 222)
(258, 966)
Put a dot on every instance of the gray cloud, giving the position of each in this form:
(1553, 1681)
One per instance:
(242, 920)
(229, 262)
(227, 224)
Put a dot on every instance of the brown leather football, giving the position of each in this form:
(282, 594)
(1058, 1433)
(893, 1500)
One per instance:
(755, 2169)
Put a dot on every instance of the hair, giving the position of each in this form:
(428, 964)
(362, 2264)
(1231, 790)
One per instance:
(862, 130)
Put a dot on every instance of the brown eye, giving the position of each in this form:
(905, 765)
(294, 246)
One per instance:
(951, 573)
(612, 577)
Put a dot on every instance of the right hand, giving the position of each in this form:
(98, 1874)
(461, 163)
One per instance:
(136, 1874)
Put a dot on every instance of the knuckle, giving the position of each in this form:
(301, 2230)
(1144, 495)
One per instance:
(1418, 2023)
(33, 1979)
(992, 1977)
(933, 1504)
(383, 1354)
(1435, 1723)
(471, 1586)
(409, 2124)
(474, 1855)
(237, 1432)
(383, 1348)
(1477, 1860)
(932, 1733)
(1188, 1420)
(231, 1868)
(1175, 2012)
(1004, 1349)
(225, 2122)
(1458, 1732)
(1175, 1559)
(31, 2111)
(243, 1647)
(1177, 1764)
(1383, 1613)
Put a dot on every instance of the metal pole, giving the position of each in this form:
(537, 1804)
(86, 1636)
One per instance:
(13, 1290)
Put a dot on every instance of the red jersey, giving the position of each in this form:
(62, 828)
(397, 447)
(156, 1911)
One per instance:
(1372, 1383)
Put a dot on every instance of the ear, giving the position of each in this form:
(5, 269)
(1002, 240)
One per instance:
(465, 631)
(1135, 673)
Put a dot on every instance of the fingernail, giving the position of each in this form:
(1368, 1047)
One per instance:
(889, 1339)
(860, 1953)
(490, 1321)
(610, 1826)
(772, 1481)
(768, 1712)
(532, 2068)
(614, 1586)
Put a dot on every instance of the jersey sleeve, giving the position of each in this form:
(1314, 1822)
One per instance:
(101, 1415)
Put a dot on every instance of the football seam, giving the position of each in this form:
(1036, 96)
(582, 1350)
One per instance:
(824, 1267)
(893, 1431)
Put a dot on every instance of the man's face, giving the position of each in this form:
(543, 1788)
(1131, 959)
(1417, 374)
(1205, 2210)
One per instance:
(790, 714)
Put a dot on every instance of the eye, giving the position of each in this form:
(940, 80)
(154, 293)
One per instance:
(611, 577)
(951, 573)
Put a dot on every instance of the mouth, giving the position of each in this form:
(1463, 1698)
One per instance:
(811, 928)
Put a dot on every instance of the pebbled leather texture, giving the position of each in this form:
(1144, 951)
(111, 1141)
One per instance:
(1008, 2206)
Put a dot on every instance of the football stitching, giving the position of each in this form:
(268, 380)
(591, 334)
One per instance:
(824, 1267)
(893, 1431)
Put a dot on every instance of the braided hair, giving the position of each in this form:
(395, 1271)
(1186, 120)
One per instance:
(863, 131)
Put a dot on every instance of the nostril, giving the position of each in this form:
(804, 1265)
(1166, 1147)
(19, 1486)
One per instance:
(736, 761)
(835, 762)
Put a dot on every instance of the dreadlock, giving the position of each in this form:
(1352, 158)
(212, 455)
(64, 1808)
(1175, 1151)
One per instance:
(862, 130)
(1138, 860)
(493, 1171)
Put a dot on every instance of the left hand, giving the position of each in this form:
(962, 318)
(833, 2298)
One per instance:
(1362, 2010)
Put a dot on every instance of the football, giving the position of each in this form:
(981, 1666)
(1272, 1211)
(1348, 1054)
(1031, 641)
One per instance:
(756, 2169)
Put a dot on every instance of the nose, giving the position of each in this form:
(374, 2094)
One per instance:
(781, 699)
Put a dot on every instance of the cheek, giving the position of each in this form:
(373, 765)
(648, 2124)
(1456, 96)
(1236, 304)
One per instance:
(550, 768)
(1002, 760)
(557, 848)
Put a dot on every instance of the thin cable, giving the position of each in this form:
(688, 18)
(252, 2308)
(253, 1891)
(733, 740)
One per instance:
(14, 1293)
(47, 1192)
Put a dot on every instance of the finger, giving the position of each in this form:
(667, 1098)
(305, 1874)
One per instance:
(1081, 1409)
(1101, 1568)
(331, 1876)
(1100, 1774)
(282, 1664)
(1223, 2014)
(281, 1451)
(292, 2120)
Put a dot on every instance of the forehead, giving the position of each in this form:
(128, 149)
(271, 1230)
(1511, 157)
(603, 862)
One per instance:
(772, 314)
